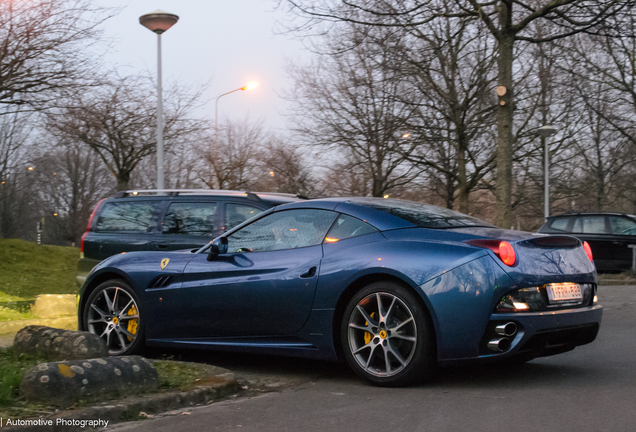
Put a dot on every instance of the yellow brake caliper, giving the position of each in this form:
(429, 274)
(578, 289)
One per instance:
(368, 336)
(132, 324)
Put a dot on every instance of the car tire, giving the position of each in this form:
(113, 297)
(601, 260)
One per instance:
(391, 345)
(113, 313)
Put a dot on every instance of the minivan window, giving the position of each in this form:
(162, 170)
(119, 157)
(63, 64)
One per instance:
(190, 218)
(236, 214)
(590, 225)
(559, 224)
(622, 225)
(126, 216)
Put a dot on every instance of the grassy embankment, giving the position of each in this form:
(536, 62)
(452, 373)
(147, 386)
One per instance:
(28, 269)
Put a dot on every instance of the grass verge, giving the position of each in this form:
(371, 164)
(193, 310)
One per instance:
(181, 375)
(12, 368)
(28, 269)
(7, 314)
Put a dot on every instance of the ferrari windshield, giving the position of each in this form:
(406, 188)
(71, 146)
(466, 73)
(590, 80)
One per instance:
(423, 215)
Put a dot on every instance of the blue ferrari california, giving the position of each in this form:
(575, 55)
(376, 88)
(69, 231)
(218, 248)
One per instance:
(394, 287)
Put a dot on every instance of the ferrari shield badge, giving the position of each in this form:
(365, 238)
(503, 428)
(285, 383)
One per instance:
(164, 263)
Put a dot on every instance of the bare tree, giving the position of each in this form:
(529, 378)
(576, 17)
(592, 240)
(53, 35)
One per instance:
(44, 48)
(508, 22)
(451, 64)
(287, 169)
(237, 164)
(15, 176)
(71, 180)
(117, 120)
(354, 102)
(608, 61)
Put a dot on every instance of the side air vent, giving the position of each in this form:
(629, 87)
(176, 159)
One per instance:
(553, 242)
(161, 282)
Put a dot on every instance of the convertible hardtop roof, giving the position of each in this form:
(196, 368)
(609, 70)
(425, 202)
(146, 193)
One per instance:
(387, 214)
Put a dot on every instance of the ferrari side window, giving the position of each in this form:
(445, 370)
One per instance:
(289, 229)
(347, 227)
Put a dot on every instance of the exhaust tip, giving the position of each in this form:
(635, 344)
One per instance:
(499, 345)
(508, 329)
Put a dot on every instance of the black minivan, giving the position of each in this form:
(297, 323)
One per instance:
(610, 236)
(166, 220)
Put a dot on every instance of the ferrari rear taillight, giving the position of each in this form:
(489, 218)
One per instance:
(502, 249)
(507, 253)
(588, 251)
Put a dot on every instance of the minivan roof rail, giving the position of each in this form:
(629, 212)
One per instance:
(176, 192)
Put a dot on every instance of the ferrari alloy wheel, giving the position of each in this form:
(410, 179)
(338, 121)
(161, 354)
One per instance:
(112, 313)
(386, 336)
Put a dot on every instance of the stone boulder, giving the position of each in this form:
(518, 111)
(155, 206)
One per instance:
(64, 383)
(55, 344)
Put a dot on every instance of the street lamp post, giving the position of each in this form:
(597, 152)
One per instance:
(216, 128)
(159, 22)
(546, 131)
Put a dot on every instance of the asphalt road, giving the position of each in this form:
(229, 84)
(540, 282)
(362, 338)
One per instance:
(592, 388)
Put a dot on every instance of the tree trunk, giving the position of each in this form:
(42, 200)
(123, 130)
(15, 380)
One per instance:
(503, 187)
(378, 187)
(122, 181)
(462, 182)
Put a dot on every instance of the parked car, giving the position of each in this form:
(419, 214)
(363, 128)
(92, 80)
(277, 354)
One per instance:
(166, 220)
(394, 287)
(608, 234)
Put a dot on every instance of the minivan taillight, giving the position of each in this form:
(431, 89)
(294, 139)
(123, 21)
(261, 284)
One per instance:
(88, 227)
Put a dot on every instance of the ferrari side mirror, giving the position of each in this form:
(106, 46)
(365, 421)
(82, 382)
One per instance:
(218, 247)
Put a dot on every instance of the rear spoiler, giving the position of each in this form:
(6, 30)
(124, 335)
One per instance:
(552, 242)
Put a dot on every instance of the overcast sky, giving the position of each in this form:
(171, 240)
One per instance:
(226, 42)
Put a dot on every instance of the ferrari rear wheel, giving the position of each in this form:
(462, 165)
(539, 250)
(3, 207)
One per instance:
(386, 336)
(112, 313)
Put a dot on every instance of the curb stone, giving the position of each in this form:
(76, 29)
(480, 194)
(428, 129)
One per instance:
(130, 408)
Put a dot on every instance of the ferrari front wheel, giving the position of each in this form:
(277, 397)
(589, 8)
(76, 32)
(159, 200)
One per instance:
(112, 313)
(386, 336)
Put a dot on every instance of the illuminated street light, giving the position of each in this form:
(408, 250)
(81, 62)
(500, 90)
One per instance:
(249, 86)
(159, 22)
(546, 131)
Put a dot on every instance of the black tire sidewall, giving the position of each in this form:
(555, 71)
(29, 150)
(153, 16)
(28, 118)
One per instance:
(422, 363)
(139, 340)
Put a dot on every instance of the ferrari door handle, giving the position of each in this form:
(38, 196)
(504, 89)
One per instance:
(310, 273)
(161, 245)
